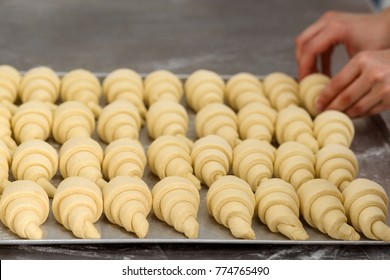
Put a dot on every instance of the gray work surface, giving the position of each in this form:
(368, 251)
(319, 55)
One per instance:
(181, 36)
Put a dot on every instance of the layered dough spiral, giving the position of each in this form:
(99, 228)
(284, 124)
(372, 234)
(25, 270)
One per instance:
(77, 205)
(5, 161)
(176, 202)
(5, 129)
(24, 206)
(310, 88)
(9, 84)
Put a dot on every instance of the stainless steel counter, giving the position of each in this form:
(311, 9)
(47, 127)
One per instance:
(226, 36)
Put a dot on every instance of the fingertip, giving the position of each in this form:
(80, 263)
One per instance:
(319, 104)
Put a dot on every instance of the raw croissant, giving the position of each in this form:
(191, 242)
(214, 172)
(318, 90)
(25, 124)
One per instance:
(162, 85)
(322, 208)
(127, 203)
(277, 206)
(125, 84)
(40, 83)
(338, 164)
(176, 202)
(5, 161)
(83, 86)
(211, 156)
(256, 121)
(309, 89)
(243, 89)
(204, 87)
(171, 156)
(253, 161)
(295, 124)
(77, 205)
(32, 120)
(294, 163)
(120, 119)
(9, 84)
(333, 127)
(5, 128)
(36, 160)
(24, 206)
(124, 157)
(82, 156)
(72, 119)
(231, 202)
(217, 119)
(366, 204)
(281, 90)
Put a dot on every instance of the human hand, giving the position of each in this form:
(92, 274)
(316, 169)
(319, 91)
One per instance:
(357, 32)
(361, 88)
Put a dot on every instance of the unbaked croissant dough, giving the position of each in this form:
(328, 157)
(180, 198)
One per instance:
(40, 83)
(277, 206)
(253, 161)
(211, 156)
(176, 202)
(9, 84)
(310, 88)
(294, 163)
(281, 90)
(256, 121)
(72, 119)
(127, 203)
(171, 156)
(243, 89)
(36, 160)
(322, 208)
(295, 124)
(82, 156)
(204, 87)
(120, 119)
(218, 119)
(231, 202)
(366, 204)
(5, 128)
(333, 127)
(77, 205)
(167, 117)
(125, 84)
(24, 206)
(5, 161)
(83, 86)
(32, 120)
(338, 164)
(162, 85)
(124, 157)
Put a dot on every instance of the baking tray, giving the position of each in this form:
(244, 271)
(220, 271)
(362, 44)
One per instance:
(371, 146)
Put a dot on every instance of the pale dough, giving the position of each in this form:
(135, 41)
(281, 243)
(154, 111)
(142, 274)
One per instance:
(162, 85)
(333, 127)
(5, 128)
(32, 120)
(243, 89)
(120, 119)
(218, 119)
(322, 208)
(366, 204)
(253, 161)
(176, 202)
(77, 205)
(281, 90)
(9, 84)
(277, 206)
(72, 119)
(127, 203)
(295, 124)
(204, 87)
(24, 206)
(171, 156)
(36, 160)
(211, 156)
(83, 86)
(124, 157)
(231, 202)
(5, 161)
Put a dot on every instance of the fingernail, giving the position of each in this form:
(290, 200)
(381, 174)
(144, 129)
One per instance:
(319, 105)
